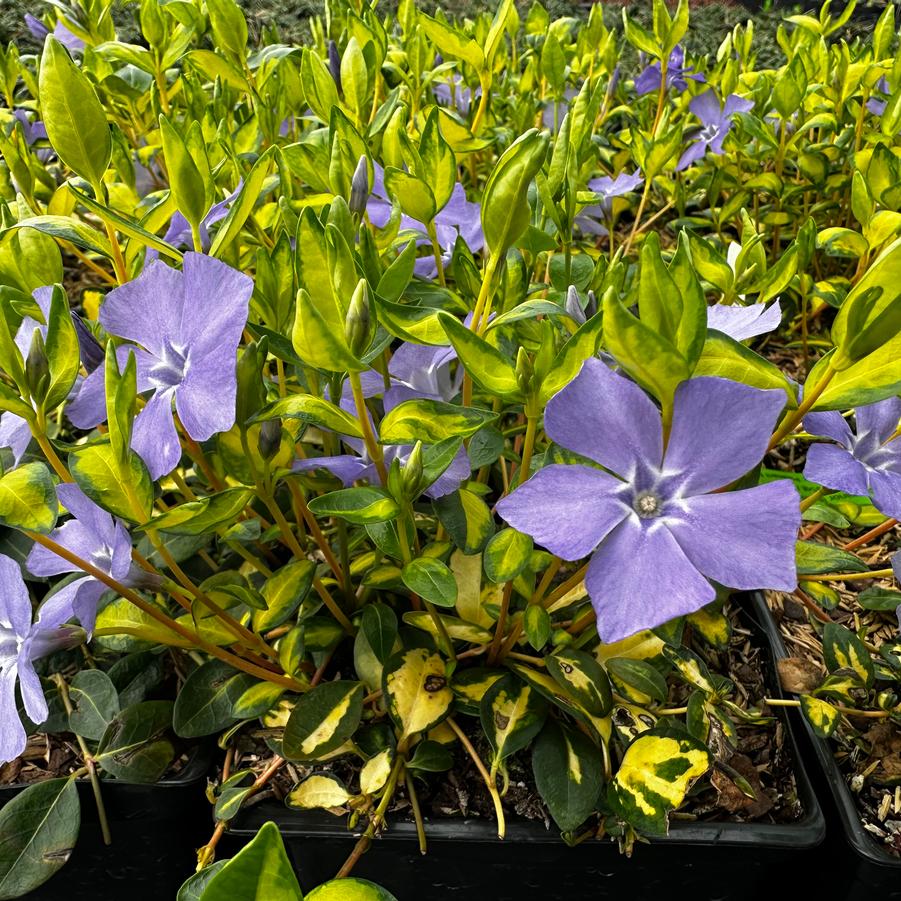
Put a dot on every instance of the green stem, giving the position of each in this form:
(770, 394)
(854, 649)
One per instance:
(848, 577)
(372, 446)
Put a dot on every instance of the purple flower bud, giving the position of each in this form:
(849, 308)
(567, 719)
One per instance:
(270, 438)
(573, 305)
(334, 62)
(89, 347)
(359, 188)
(591, 307)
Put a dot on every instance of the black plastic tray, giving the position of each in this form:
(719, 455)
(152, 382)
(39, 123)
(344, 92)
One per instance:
(871, 868)
(696, 861)
(155, 829)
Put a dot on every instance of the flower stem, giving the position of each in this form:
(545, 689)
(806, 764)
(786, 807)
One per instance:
(436, 251)
(867, 537)
(489, 782)
(848, 577)
(372, 446)
(150, 610)
(792, 419)
(808, 502)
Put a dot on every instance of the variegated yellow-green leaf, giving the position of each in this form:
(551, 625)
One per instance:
(467, 570)
(712, 626)
(360, 506)
(821, 715)
(690, 667)
(98, 475)
(322, 720)
(350, 889)
(204, 515)
(654, 777)
(636, 680)
(257, 700)
(470, 685)
(313, 410)
(569, 773)
(506, 555)
(467, 519)
(319, 791)
(416, 689)
(582, 678)
(843, 650)
(375, 772)
(641, 646)
(512, 713)
(630, 721)
(120, 622)
(318, 337)
(283, 592)
(457, 629)
(28, 498)
(431, 421)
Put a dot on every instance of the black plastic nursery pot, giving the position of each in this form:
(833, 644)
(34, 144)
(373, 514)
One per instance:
(155, 831)
(870, 872)
(701, 861)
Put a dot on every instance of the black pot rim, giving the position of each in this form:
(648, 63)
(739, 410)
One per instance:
(858, 837)
(805, 833)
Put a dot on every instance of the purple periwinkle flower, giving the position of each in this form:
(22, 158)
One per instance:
(95, 536)
(677, 74)
(608, 187)
(32, 130)
(876, 105)
(455, 93)
(716, 124)
(61, 32)
(186, 326)
(864, 461)
(554, 110)
(15, 433)
(178, 234)
(458, 217)
(659, 526)
(21, 644)
(741, 322)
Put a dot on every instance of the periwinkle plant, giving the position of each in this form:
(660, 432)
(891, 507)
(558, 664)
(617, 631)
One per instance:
(399, 424)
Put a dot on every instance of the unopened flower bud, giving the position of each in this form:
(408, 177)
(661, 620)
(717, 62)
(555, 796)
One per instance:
(334, 63)
(591, 307)
(886, 700)
(89, 347)
(358, 321)
(359, 188)
(573, 305)
(524, 370)
(270, 438)
(37, 367)
(412, 474)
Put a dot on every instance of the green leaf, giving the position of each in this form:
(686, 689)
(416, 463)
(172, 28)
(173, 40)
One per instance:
(487, 366)
(582, 678)
(68, 229)
(134, 746)
(645, 355)
(323, 720)
(320, 341)
(75, 120)
(193, 887)
(242, 206)
(654, 777)
(568, 770)
(416, 690)
(185, 179)
(283, 592)
(206, 701)
(451, 42)
(314, 411)
(379, 626)
(431, 580)
(813, 558)
(318, 85)
(506, 555)
(467, 519)
(63, 354)
(320, 791)
(260, 870)
(505, 206)
(637, 680)
(28, 498)
(431, 421)
(882, 599)
(96, 470)
(350, 889)
(229, 27)
(412, 195)
(205, 515)
(95, 702)
(38, 830)
(361, 506)
(512, 713)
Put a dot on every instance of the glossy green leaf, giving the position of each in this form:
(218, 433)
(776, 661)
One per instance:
(322, 720)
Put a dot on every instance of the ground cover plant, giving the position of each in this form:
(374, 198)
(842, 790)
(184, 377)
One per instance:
(412, 403)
